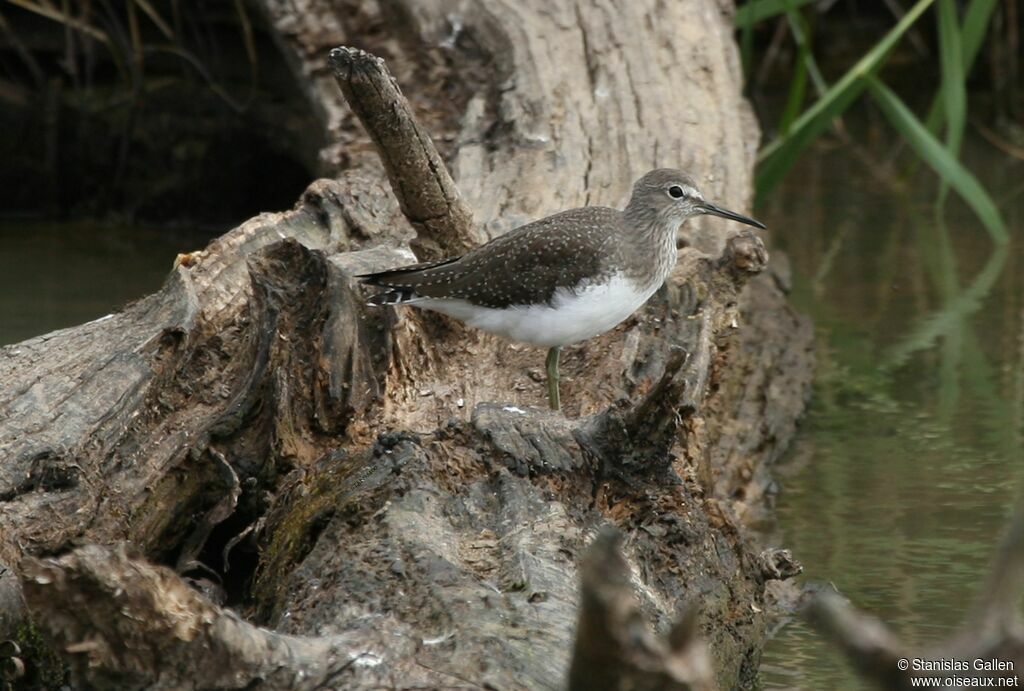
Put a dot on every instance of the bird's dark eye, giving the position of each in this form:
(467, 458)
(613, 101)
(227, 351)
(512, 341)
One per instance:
(675, 191)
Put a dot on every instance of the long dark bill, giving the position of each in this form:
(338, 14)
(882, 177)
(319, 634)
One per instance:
(709, 208)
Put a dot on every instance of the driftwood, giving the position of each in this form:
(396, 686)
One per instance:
(988, 646)
(380, 487)
(134, 625)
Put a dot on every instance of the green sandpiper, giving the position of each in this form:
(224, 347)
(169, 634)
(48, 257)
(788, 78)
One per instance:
(562, 279)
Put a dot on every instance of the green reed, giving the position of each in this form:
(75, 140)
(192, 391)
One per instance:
(936, 141)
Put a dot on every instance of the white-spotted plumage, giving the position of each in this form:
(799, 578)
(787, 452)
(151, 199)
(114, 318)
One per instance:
(573, 315)
(564, 278)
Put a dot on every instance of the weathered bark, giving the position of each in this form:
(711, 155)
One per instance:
(377, 476)
(426, 192)
(131, 625)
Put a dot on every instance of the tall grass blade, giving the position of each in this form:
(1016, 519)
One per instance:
(976, 21)
(778, 156)
(27, 60)
(939, 158)
(972, 35)
(756, 11)
(135, 36)
(798, 27)
(155, 17)
(796, 96)
(804, 62)
(747, 51)
(954, 92)
(200, 67)
(64, 18)
(250, 40)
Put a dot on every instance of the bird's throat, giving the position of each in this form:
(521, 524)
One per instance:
(654, 239)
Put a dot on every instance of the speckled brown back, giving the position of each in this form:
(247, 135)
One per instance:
(525, 266)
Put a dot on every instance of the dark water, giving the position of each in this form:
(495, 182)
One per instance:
(58, 275)
(904, 472)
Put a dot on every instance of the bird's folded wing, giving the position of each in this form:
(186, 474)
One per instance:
(523, 267)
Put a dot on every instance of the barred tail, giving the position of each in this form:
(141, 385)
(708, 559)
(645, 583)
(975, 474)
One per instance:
(395, 296)
(400, 283)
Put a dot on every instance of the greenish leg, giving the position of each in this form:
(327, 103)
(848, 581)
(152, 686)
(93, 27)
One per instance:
(553, 397)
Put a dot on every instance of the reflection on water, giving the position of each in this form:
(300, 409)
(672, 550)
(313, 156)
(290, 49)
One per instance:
(58, 275)
(903, 474)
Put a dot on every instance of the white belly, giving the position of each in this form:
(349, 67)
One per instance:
(572, 316)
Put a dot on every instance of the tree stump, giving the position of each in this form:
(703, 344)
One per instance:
(383, 488)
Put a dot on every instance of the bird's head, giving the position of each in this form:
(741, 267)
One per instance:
(669, 196)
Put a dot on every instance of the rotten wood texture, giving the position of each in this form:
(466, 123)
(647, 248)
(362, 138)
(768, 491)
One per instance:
(636, 439)
(131, 625)
(993, 631)
(375, 475)
(469, 534)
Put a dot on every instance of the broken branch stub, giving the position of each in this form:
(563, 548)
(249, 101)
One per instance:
(635, 440)
(868, 643)
(990, 643)
(425, 190)
(615, 648)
